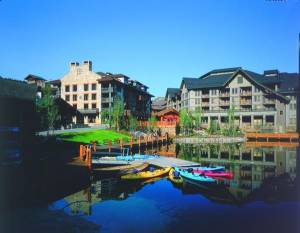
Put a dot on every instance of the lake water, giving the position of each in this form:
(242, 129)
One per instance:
(263, 197)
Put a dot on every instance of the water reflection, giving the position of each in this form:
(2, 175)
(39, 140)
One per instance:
(251, 166)
(267, 174)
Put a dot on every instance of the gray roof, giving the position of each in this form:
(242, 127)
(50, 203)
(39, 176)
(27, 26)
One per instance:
(10, 88)
(289, 82)
(32, 76)
(172, 92)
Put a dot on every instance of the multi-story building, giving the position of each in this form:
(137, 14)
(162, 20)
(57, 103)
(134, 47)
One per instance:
(80, 88)
(134, 95)
(260, 101)
(91, 92)
(173, 98)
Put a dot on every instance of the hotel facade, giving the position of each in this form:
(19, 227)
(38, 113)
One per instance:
(265, 101)
(93, 92)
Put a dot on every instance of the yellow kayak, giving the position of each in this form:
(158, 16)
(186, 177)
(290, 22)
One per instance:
(146, 174)
(175, 179)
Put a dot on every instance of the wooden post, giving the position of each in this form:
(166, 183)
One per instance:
(139, 141)
(94, 146)
(81, 152)
(109, 146)
(89, 158)
(121, 143)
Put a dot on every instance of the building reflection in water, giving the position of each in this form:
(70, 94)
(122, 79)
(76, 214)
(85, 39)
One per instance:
(259, 173)
(250, 165)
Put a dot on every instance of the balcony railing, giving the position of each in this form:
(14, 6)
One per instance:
(246, 102)
(224, 103)
(224, 94)
(246, 93)
(106, 100)
(269, 101)
(106, 90)
(205, 95)
(205, 104)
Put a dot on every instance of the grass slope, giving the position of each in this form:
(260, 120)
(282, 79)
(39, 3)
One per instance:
(93, 135)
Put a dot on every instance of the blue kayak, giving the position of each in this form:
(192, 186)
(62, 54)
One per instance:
(193, 176)
(213, 169)
(135, 157)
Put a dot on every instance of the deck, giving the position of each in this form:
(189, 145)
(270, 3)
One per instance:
(273, 136)
(169, 162)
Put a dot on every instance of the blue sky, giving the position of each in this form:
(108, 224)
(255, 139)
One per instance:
(155, 41)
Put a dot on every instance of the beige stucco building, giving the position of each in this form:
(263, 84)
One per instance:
(94, 92)
(80, 88)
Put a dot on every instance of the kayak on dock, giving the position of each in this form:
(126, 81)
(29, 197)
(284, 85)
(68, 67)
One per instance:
(125, 169)
(189, 174)
(175, 177)
(146, 174)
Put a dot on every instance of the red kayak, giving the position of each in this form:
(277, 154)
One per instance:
(214, 174)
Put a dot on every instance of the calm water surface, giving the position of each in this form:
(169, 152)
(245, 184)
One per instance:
(262, 196)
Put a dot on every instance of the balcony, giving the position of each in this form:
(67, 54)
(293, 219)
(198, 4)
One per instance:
(245, 102)
(205, 104)
(205, 95)
(246, 93)
(89, 111)
(106, 100)
(224, 103)
(269, 101)
(224, 94)
(107, 90)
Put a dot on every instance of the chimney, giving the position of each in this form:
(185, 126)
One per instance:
(73, 66)
(88, 65)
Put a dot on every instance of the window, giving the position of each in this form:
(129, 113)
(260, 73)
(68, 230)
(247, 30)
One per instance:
(67, 97)
(257, 98)
(75, 106)
(86, 106)
(94, 105)
(234, 90)
(197, 101)
(240, 79)
(94, 96)
(256, 90)
(74, 87)
(67, 88)
(74, 97)
(94, 86)
(86, 97)
(214, 92)
(281, 112)
(86, 87)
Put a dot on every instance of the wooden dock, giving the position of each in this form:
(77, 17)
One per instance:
(273, 136)
(168, 162)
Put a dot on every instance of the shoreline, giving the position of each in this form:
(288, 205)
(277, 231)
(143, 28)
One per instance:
(210, 139)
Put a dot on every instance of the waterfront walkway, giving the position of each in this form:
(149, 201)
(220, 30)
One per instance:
(168, 162)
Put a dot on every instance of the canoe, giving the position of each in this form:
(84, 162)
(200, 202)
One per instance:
(193, 176)
(123, 169)
(214, 174)
(217, 168)
(146, 174)
(176, 179)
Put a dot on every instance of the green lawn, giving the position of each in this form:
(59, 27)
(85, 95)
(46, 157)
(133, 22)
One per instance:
(94, 135)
